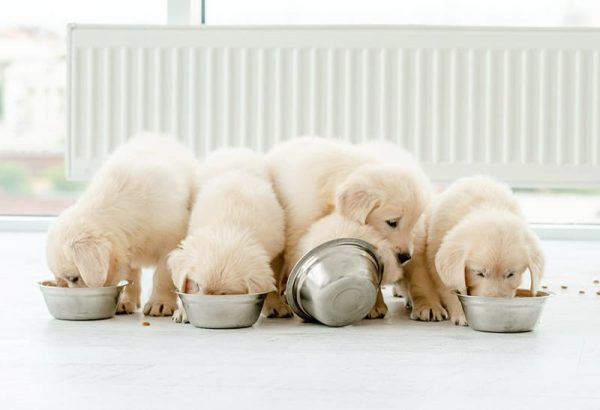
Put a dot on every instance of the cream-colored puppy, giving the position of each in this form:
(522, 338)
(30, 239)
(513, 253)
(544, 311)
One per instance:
(336, 226)
(314, 176)
(236, 229)
(132, 214)
(473, 239)
(479, 242)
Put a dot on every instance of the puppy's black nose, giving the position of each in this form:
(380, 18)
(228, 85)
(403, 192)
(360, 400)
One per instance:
(403, 257)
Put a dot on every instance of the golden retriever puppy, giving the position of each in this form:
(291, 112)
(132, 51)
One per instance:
(235, 232)
(479, 242)
(132, 214)
(314, 176)
(336, 226)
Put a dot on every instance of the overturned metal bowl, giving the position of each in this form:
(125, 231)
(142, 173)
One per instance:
(81, 303)
(335, 283)
(504, 315)
(222, 311)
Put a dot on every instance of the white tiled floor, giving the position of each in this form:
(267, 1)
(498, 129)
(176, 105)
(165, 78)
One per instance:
(390, 363)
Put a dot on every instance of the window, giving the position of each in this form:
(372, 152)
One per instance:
(32, 95)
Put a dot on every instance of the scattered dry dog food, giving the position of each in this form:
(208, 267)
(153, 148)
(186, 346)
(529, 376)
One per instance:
(598, 293)
(145, 323)
(581, 292)
(544, 287)
(563, 286)
(596, 281)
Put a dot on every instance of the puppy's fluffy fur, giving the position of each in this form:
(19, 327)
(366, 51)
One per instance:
(314, 176)
(479, 242)
(235, 231)
(336, 226)
(132, 214)
(474, 227)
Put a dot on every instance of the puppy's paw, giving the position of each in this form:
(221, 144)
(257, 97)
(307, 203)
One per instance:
(378, 312)
(275, 307)
(127, 306)
(179, 316)
(459, 320)
(278, 311)
(428, 312)
(454, 308)
(159, 308)
(397, 291)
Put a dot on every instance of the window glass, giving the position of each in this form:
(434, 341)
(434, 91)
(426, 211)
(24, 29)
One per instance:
(32, 95)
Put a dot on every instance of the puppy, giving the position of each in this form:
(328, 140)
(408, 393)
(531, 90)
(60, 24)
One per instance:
(314, 176)
(479, 242)
(132, 214)
(336, 226)
(235, 232)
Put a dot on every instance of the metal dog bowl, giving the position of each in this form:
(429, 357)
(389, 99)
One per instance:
(222, 311)
(81, 303)
(335, 283)
(504, 315)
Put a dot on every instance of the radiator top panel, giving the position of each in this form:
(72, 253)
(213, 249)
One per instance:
(519, 104)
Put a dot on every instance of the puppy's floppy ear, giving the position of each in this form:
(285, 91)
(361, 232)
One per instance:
(178, 263)
(354, 200)
(536, 261)
(450, 264)
(91, 255)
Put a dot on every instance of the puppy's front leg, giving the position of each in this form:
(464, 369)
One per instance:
(180, 316)
(450, 302)
(426, 303)
(275, 306)
(163, 300)
(380, 309)
(130, 299)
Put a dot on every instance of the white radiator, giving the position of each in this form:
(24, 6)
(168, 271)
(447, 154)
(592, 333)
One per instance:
(519, 104)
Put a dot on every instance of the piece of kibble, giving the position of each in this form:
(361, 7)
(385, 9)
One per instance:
(596, 281)
(563, 286)
(544, 287)
(598, 293)
(581, 292)
(145, 323)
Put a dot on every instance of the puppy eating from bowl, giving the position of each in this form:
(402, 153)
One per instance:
(132, 214)
(478, 243)
(236, 230)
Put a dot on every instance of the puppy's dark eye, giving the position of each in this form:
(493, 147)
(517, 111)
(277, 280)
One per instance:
(73, 279)
(481, 274)
(392, 223)
(510, 275)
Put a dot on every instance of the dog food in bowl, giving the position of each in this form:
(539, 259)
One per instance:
(504, 315)
(222, 311)
(81, 303)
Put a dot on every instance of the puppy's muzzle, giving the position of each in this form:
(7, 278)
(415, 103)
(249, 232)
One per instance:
(403, 258)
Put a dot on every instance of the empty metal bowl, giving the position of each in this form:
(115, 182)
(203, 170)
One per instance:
(504, 315)
(335, 283)
(81, 303)
(222, 311)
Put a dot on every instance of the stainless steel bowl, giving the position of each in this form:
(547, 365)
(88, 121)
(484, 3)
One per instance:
(222, 311)
(335, 283)
(505, 315)
(81, 303)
